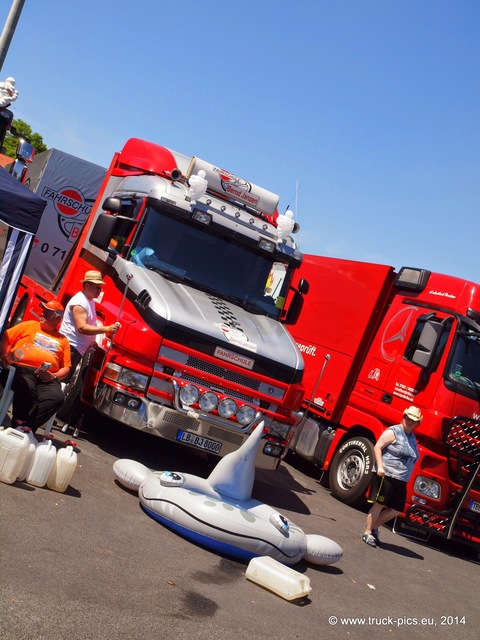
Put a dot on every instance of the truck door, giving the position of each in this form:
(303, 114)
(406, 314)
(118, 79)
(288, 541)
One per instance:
(407, 359)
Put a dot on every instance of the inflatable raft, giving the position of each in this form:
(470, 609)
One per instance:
(219, 513)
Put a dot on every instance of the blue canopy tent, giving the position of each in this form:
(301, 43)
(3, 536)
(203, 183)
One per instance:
(21, 210)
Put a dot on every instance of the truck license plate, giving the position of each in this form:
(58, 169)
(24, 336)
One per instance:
(474, 506)
(199, 441)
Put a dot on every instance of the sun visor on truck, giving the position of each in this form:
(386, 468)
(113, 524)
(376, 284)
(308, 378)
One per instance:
(235, 188)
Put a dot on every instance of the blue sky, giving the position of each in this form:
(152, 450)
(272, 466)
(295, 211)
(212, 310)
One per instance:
(363, 115)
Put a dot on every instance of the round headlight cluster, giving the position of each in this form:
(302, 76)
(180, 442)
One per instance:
(189, 394)
(245, 414)
(209, 401)
(227, 408)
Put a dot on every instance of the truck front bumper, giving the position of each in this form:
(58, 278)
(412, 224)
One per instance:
(169, 423)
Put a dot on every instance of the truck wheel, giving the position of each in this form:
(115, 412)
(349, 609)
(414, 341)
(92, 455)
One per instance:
(351, 470)
(73, 389)
(19, 313)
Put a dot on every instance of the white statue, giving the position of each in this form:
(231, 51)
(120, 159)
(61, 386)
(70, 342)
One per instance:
(285, 225)
(8, 93)
(198, 186)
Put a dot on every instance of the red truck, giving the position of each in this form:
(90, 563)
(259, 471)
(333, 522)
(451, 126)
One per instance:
(186, 250)
(374, 342)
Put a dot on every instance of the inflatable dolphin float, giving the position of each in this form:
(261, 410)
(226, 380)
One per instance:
(219, 513)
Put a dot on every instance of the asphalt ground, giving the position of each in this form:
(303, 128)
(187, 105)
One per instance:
(88, 563)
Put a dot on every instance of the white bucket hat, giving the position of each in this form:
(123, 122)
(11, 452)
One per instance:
(414, 413)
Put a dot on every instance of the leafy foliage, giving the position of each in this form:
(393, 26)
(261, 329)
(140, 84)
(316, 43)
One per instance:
(23, 130)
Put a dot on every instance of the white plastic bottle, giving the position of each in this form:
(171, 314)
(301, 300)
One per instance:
(45, 455)
(13, 451)
(63, 469)
(32, 447)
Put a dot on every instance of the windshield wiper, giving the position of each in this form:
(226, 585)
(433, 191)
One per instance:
(175, 275)
(253, 307)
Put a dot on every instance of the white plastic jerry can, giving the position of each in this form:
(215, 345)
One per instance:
(13, 452)
(45, 455)
(29, 460)
(63, 469)
(276, 577)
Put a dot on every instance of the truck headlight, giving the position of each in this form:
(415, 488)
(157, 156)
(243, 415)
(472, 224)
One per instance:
(208, 401)
(279, 430)
(245, 414)
(274, 450)
(134, 380)
(227, 407)
(189, 395)
(427, 487)
(126, 377)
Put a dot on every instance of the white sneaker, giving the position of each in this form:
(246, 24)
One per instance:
(76, 433)
(369, 539)
(65, 427)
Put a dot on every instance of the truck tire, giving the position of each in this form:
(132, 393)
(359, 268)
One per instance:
(19, 313)
(73, 389)
(351, 470)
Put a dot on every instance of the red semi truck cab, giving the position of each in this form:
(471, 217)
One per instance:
(186, 250)
(374, 342)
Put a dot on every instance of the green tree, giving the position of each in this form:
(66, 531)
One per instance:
(23, 130)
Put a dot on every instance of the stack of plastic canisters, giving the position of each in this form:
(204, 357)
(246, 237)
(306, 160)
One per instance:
(39, 464)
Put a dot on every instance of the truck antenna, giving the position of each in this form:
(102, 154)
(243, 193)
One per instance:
(296, 200)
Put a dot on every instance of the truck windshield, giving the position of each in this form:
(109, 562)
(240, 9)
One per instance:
(465, 364)
(211, 262)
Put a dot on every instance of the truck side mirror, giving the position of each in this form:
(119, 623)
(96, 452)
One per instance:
(18, 170)
(112, 204)
(121, 206)
(427, 344)
(107, 226)
(296, 304)
(303, 286)
(25, 151)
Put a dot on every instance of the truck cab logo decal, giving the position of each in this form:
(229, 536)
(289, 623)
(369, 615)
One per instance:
(235, 336)
(443, 294)
(374, 374)
(231, 326)
(237, 187)
(395, 333)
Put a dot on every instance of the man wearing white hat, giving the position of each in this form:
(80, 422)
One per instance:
(396, 453)
(79, 323)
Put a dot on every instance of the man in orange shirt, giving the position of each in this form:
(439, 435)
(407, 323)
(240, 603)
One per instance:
(41, 356)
